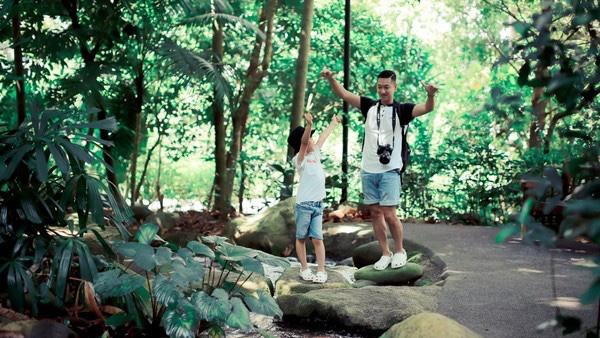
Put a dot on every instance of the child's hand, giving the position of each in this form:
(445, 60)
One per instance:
(336, 119)
(308, 117)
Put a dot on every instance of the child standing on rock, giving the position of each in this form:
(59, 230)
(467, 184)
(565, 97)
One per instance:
(309, 198)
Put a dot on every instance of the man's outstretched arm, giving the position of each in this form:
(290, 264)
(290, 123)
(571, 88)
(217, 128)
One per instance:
(424, 108)
(339, 90)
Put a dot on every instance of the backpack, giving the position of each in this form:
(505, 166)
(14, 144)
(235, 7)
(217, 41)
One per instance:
(404, 147)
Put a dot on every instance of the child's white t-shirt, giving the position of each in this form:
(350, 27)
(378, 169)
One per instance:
(312, 177)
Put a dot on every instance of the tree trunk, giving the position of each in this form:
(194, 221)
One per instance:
(219, 122)
(538, 104)
(257, 69)
(242, 188)
(19, 73)
(345, 117)
(139, 102)
(299, 89)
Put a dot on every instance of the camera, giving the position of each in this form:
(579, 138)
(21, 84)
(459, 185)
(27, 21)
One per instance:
(385, 153)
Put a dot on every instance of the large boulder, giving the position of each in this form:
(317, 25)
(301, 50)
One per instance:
(272, 230)
(36, 328)
(370, 307)
(291, 283)
(429, 325)
(340, 239)
(406, 274)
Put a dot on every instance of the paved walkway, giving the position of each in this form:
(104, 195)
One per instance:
(505, 290)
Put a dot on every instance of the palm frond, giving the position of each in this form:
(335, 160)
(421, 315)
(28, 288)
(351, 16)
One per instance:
(190, 64)
(207, 18)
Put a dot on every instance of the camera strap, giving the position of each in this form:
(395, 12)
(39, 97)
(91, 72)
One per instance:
(394, 113)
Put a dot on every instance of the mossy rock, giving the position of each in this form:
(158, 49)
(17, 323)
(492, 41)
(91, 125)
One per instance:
(408, 273)
(369, 253)
(291, 283)
(429, 325)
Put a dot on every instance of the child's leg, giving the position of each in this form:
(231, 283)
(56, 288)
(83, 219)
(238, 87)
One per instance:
(301, 253)
(320, 253)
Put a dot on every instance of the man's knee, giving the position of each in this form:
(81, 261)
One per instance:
(389, 213)
(375, 211)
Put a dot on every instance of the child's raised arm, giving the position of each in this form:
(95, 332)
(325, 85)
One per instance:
(325, 134)
(305, 137)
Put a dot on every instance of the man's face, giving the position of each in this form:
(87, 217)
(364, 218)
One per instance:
(386, 88)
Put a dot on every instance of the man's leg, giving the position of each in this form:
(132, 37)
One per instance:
(390, 197)
(396, 228)
(379, 228)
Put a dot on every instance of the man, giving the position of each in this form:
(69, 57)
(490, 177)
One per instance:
(381, 163)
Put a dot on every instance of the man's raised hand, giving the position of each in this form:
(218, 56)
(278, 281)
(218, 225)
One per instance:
(326, 73)
(429, 88)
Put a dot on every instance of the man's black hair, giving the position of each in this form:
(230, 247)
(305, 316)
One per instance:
(387, 74)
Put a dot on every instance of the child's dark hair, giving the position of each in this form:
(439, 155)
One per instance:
(387, 74)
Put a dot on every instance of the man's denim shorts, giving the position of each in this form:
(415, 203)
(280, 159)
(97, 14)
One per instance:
(309, 220)
(381, 188)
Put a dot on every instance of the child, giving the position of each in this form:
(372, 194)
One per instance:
(311, 191)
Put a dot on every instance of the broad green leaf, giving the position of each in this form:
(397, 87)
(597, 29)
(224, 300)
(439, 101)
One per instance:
(146, 233)
(263, 303)
(181, 320)
(210, 308)
(144, 257)
(115, 283)
(201, 249)
(163, 255)
(165, 291)
(184, 274)
(118, 320)
(252, 265)
(239, 317)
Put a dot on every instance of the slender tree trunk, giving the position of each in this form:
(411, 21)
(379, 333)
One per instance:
(219, 123)
(345, 117)
(242, 188)
(538, 102)
(299, 88)
(139, 102)
(19, 73)
(257, 70)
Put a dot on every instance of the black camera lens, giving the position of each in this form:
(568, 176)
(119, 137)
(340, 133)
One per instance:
(385, 153)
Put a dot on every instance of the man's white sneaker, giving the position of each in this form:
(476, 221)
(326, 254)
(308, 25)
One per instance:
(382, 263)
(399, 259)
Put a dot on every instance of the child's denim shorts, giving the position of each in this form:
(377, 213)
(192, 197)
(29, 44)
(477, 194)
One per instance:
(309, 220)
(381, 188)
